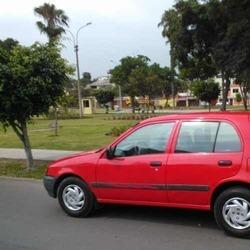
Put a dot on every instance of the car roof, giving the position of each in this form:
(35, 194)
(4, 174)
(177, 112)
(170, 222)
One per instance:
(198, 115)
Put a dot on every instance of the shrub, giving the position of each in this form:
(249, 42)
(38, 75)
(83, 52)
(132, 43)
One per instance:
(116, 131)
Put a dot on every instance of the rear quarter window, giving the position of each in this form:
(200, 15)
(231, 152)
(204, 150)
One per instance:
(227, 139)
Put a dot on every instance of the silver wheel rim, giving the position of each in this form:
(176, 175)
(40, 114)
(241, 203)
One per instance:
(236, 213)
(73, 197)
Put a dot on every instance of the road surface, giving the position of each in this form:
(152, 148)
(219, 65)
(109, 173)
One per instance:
(31, 220)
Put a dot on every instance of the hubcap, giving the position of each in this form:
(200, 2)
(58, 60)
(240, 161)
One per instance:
(73, 197)
(236, 213)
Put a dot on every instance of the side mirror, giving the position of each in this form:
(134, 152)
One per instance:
(110, 153)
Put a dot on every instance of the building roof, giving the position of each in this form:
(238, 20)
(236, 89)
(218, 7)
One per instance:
(101, 82)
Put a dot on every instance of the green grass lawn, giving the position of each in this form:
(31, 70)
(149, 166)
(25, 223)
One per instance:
(74, 134)
(17, 168)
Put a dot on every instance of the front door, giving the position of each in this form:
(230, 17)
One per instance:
(137, 171)
(206, 152)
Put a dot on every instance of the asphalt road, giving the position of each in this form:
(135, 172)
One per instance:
(30, 220)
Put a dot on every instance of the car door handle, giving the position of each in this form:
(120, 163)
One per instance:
(155, 163)
(225, 163)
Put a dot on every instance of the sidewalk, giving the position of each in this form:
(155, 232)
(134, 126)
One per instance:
(38, 154)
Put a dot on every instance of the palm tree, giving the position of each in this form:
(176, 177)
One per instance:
(170, 22)
(54, 21)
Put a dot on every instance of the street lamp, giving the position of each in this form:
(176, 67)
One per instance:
(172, 66)
(76, 49)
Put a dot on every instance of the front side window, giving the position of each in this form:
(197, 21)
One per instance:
(196, 137)
(151, 139)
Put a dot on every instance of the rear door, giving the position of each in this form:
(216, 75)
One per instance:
(205, 153)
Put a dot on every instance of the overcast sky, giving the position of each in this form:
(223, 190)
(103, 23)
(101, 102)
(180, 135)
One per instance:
(120, 28)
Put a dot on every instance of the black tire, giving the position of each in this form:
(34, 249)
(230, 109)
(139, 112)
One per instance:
(89, 200)
(228, 197)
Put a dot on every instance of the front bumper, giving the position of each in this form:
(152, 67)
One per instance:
(49, 184)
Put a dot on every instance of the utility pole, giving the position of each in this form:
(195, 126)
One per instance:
(119, 90)
(76, 49)
(172, 74)
(78, 83)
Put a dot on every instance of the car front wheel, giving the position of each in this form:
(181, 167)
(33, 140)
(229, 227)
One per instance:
(232, 211)
(75, 198)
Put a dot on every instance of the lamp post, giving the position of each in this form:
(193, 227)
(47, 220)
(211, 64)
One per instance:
(76, 49)
(172, 75)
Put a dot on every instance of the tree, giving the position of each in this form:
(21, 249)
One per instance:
(86, 79)
(66, 101)
(244, 84)
(138, 78)
(105, 96)
(238, 97)
(121, 75)
(197, 42)
(31, 80)
(167, 80)
(190, 33)
(8, 44)
(211, 38)
(206, 91)
(171, 24)
(146, 82)
(54, 21)
(236, 44)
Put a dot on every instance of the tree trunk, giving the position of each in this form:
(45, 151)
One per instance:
(106, 109)
(153, 109)
(56, 122)
(133, 103)
(243, 91)
(27, 148)
(225, 89)
(148, 104)
(209, 106)
(21, 131)
(166, 103)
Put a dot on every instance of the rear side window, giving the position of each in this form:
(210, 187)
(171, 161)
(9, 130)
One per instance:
(227, 139)
(207, 137)
(197, 137)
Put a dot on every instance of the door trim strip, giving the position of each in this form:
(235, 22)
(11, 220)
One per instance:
(170, 187)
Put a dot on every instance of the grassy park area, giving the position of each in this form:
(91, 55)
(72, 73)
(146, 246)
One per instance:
(73, 134)
(18, 168)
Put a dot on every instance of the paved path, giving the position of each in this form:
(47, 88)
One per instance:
(38, 154)
(31, 220)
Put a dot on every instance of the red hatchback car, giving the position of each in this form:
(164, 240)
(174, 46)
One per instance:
(195, 160)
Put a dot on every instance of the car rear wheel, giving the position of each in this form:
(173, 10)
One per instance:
(232, 211)
(75, 198)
